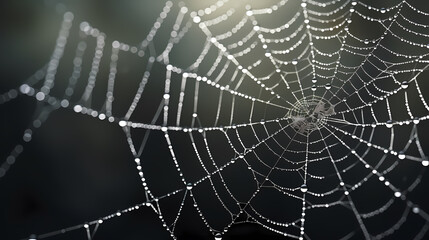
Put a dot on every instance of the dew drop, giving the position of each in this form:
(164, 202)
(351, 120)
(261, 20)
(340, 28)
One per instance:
(389, 124)
(196, 19)
(328, 86)
(304, 188)
(268, 54)
(32, 237)
(218, 236)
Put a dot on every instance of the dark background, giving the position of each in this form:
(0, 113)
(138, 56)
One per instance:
(77, 169)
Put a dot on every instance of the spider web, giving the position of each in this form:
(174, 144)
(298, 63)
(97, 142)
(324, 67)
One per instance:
(309, 106)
